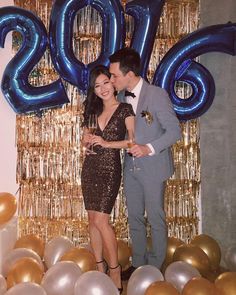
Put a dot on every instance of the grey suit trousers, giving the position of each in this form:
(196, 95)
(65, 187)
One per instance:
(151, 200)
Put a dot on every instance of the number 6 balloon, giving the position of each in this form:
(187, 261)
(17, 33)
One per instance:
(178, 64)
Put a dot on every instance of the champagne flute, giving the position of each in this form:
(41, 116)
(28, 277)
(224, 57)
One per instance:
(131, 143)
(92, 127)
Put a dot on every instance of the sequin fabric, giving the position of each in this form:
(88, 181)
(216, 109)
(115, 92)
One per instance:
(101, 173)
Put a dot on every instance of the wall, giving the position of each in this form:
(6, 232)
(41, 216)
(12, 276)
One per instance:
(7, 126)
(218, 135)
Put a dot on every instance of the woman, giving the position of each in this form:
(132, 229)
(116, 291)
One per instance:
(101, 172)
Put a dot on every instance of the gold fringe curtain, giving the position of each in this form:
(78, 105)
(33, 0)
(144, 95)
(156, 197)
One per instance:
(49, 152)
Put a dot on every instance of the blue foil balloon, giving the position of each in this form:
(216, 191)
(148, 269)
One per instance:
(61, 36)
(146, 14)
(178, 65)
(22, 96)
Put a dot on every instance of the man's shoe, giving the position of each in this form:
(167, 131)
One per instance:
(125, 275)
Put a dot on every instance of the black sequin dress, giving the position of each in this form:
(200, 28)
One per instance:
(101, 173)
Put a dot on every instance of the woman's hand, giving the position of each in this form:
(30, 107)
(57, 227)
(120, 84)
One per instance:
(98, 140)
(87, 139)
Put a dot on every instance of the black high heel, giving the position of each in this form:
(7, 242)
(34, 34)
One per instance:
(113, 268)
(105, 266)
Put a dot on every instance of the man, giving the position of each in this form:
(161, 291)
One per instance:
(156, 129)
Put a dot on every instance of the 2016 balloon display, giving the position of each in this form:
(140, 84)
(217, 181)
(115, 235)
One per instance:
(178, 64)
(22, 96)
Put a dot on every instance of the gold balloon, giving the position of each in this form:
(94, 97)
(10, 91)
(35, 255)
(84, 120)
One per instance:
(32, 242)
(172, 244)
(199, 286)
(82, 257)
(161, 288)
(26, 269)
(8, 206)
(226, 283)
(213, 274)
(194, 256)
(124, 253)
(210, 247)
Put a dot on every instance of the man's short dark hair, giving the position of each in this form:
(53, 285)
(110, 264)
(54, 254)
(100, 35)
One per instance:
(129, 60)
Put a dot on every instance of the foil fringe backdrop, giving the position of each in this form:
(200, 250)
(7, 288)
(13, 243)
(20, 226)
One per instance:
(49, 152)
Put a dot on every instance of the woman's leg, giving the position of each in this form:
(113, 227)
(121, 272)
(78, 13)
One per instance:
(96, 242)
(109, 242)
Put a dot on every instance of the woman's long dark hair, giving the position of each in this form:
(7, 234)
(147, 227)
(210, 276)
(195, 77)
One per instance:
(94, 104)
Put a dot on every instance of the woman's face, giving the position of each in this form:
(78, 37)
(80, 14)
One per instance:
(103, 87)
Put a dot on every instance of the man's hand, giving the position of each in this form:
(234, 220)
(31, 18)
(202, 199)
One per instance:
(139, 150)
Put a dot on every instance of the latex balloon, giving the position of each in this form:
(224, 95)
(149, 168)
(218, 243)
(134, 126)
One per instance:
(230, 257)
(61, 36)
(26, 289)
(172, 244)
(212, 275)
(94, 283)
(8, 206)
(124, 253)
(22, 96)
(142, 278)
(3, 285)
(161, 288)
(210, 247)
(14, 255)
(179, 273)
(86, 246)
(82, 257)
(193, 255)
(55, 248)
(32, 242)
(226, 283)
(178, 65)
(199, 286)
(146, 15)
(25, 269)
(60, 279)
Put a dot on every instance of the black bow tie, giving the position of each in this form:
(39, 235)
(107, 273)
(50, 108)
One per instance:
(128, 93)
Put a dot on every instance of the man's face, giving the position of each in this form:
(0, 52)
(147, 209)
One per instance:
(118, 79)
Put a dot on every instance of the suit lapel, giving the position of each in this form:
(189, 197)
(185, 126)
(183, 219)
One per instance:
(142, 96)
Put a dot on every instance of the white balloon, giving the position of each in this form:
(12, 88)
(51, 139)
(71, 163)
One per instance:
(142, 278)
(26, 289)
(95, 283)
(60, 279)
(179, 273)
(17, 254)
(55, 248)
(3, 285)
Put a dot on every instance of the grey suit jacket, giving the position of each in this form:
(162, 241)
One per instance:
(163, 132)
